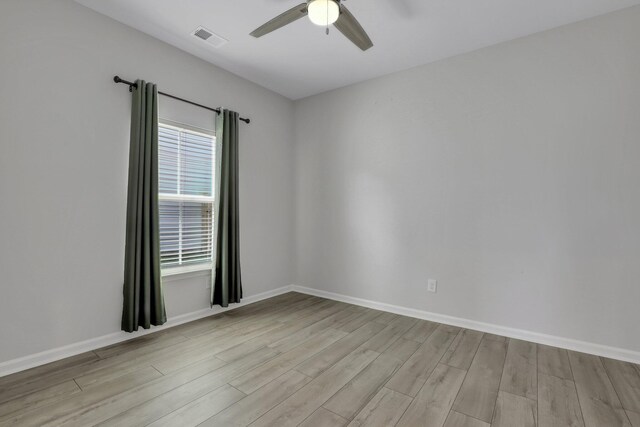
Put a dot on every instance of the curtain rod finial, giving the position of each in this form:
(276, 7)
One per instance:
(117, 79)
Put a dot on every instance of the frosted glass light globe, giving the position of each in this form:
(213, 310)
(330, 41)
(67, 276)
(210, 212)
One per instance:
(323, 12)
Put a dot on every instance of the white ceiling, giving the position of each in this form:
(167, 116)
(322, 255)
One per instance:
(300, 60)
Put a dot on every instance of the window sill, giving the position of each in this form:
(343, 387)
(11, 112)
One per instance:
(175, 273)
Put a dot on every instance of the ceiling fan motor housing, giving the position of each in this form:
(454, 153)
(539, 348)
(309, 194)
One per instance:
(323, 12)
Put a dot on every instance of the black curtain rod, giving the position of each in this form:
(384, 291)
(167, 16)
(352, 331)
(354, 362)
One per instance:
(216, 110)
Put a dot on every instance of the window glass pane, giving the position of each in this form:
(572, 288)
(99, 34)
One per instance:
(186, 161)
(186, 231)
(168, 141)
(196, 232)
(196, 158)
(169, 233)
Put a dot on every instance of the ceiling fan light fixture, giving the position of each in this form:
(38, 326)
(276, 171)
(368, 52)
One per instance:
(323, 12)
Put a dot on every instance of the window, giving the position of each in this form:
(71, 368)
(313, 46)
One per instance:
(186, 175)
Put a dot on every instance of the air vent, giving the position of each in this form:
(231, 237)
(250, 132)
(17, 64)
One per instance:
(202, 33)
(209, 36)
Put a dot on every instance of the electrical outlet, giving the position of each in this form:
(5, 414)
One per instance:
(432, 285)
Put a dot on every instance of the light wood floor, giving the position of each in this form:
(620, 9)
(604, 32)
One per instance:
(302, 360)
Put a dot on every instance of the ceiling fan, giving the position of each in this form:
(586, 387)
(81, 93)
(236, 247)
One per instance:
(321, 12)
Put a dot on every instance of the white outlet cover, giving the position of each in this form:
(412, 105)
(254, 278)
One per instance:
(432, 285)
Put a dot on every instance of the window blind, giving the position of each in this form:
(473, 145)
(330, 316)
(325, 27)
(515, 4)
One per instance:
(186, 174)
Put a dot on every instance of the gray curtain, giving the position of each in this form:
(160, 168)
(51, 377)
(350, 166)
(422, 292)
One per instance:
(227, 282)
(143, 299)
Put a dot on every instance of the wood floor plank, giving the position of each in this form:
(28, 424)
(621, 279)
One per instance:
(359, 308)
(558, 404)
(356, 393)
(209, 348)
(293, 340)
(199, 410)
(236, 326)
(432, 404)
(246, 315)
(386, 318)
(259, 402)
(414, 373)
(421, 331)
(256, 378)
(310, 310)
(494, 337)
(271, 304)
(254, 312)
(53, 414)
(192, 329)
(281, 299)
(131, 361)
(457, 419)
(520, 374)
(352, 317)
(285, 330)
(94, 405)
(513, 410)
(331, 355)
(385, 409)
(364, 318)
(554, 361)
(464, 347)
(136, 358)
(169, 358)
(217, 323)
(172, 364)
(298, 407)
(386, 337)
(258, 342)
(39, 373)
(479, 390)
(324, 418)
(402, 349)
(38, 399)
(598, 399)
(152, 401)
(151, 341)
(180, 351)
(626, 382)
(290, 297)
(42, 377)
(634, 417)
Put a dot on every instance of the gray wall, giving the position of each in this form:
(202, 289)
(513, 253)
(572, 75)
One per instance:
(63, 169)
(510, 174)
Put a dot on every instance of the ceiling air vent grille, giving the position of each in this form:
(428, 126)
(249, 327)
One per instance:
(209, 36)
(202, 33)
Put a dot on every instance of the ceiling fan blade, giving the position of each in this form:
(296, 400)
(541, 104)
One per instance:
(281, 20)
(348, 25)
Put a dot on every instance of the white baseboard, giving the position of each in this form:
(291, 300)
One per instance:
(33, 360)
(566, 343)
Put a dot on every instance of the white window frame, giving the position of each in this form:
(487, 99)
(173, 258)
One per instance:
(203, 266)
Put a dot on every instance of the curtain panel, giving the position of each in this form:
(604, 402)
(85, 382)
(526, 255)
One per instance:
(227, 281)
(142, 290)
